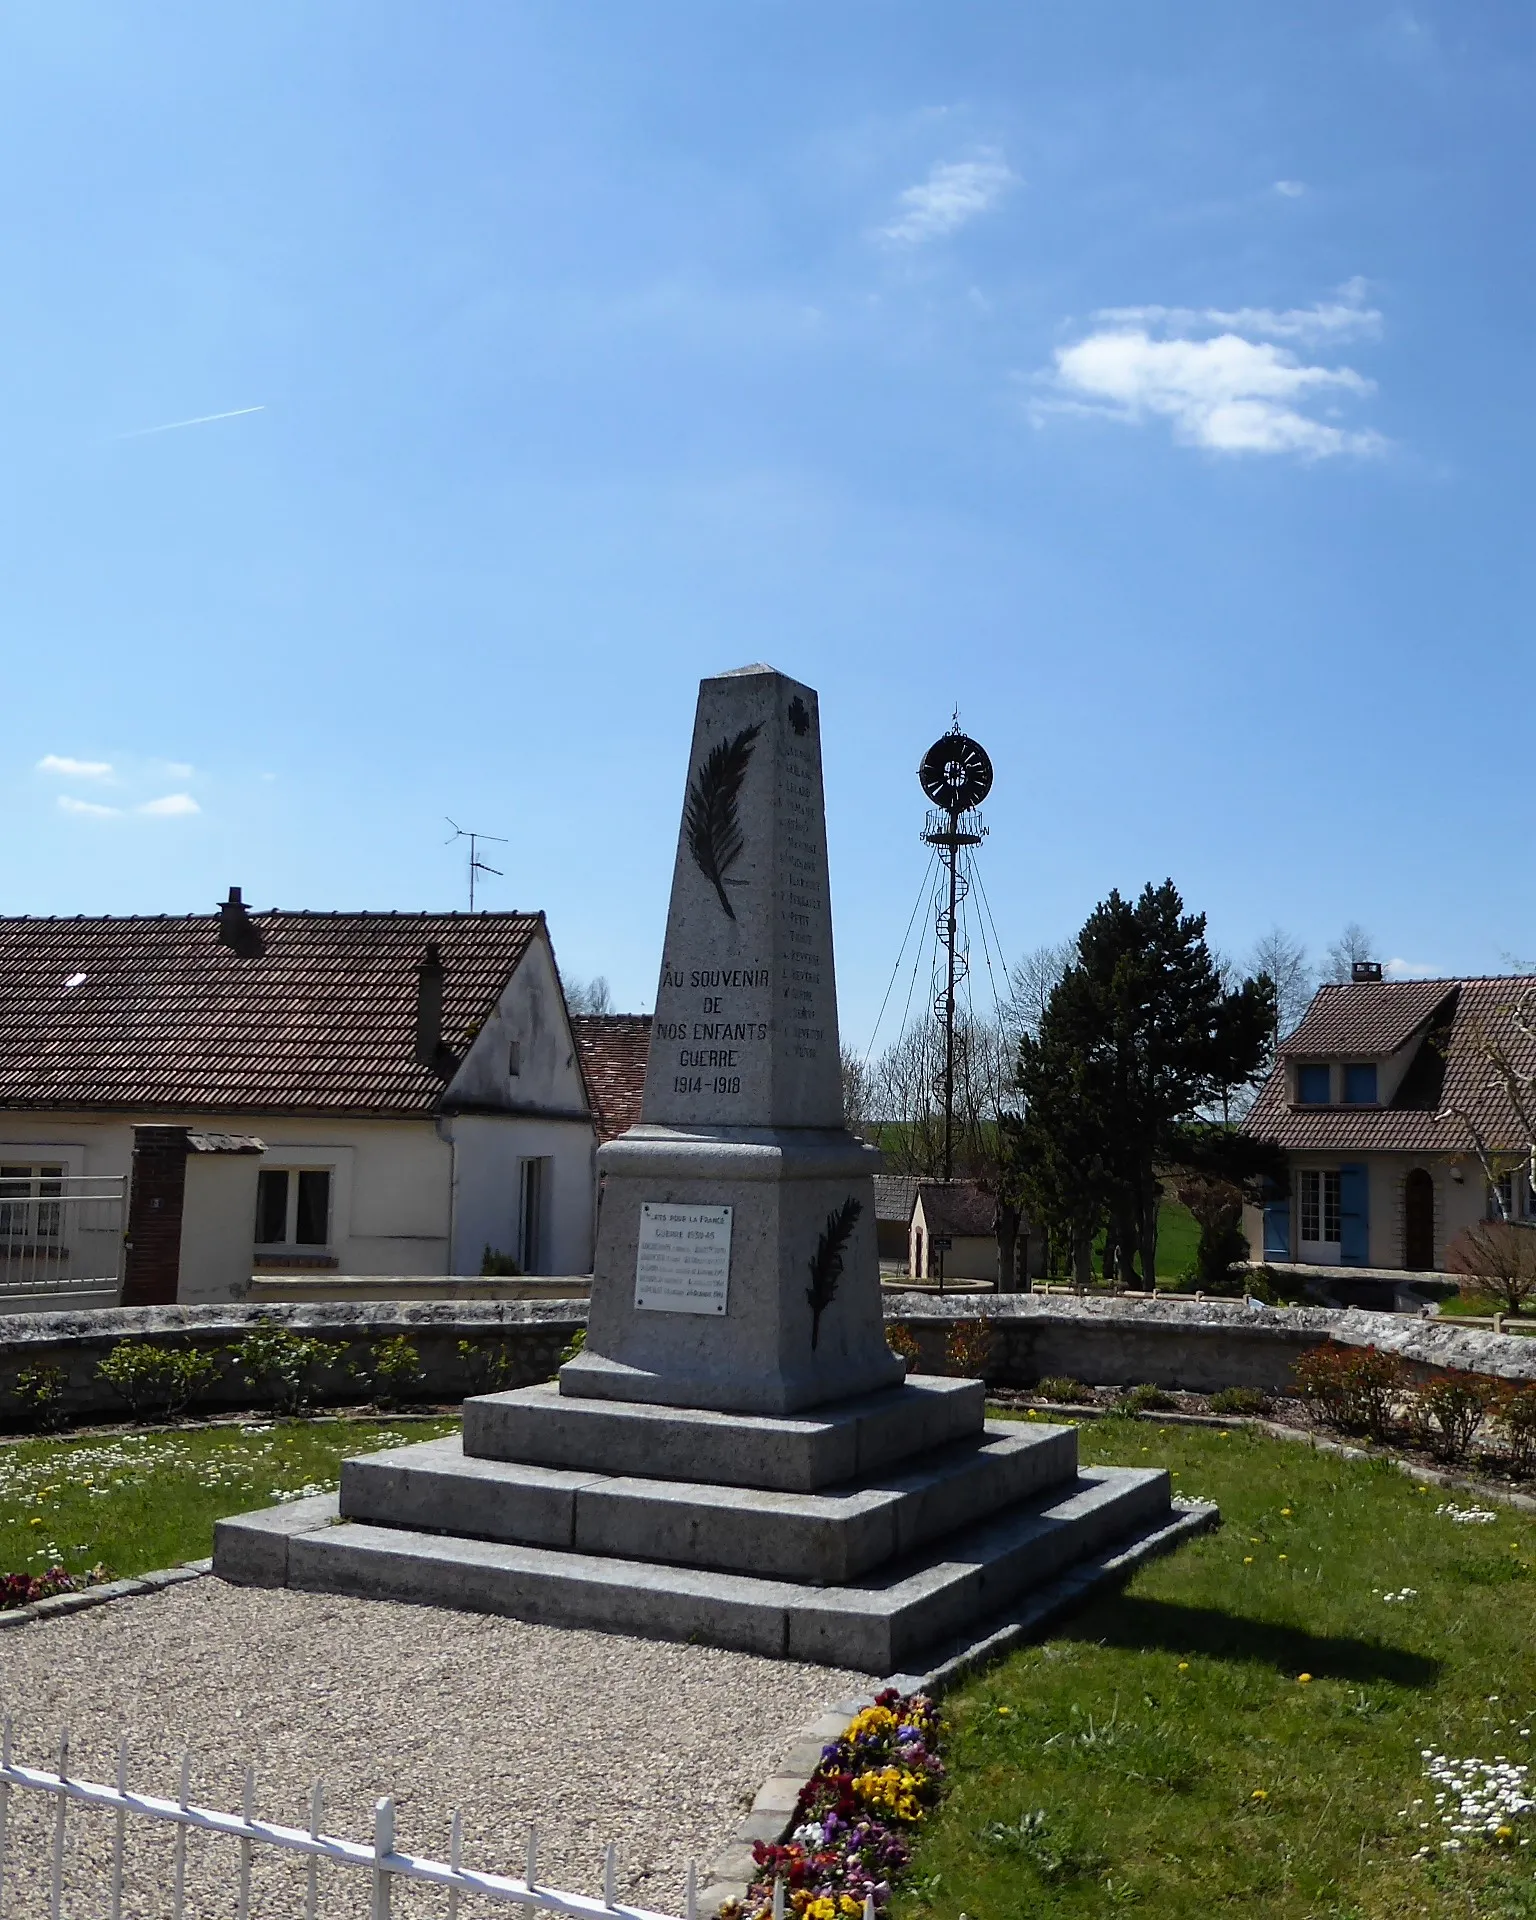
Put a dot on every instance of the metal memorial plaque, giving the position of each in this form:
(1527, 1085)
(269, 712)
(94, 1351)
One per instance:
(684, 1260)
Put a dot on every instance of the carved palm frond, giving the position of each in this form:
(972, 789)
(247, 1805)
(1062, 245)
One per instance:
(714, 830)
(827, 1266)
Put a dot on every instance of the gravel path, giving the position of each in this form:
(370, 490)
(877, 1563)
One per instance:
(592, 1736)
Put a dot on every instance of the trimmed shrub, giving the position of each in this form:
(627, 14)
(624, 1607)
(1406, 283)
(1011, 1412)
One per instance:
(1350, 1388)
(1146, 1399)
(1240, 1400)
(968, 1349)
(902, 1341)
(39, 1392)
(392, 1368)
(1063, 1391)
(489, 1364)
(1445, 1414)
(1514, 1421)
(281, 1363)
(155, 1379)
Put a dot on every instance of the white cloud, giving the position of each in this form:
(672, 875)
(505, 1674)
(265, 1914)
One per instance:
(1411, 970)
(170, 806)
(1291, 189)
(955, 192)
(61, 763)
(176, 769)
(1229, 392)
(1344, 317)
(69, 804)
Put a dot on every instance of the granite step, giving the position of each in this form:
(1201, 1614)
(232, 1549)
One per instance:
(822, 1539)
(875, 1625)
(849, 1440)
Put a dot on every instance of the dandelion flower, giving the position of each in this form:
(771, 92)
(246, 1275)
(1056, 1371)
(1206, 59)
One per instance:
(1285, 1556)
(1183, 1666)
(1258, 1794)
(1303, 1679)
(1005, 1709)
(1247, 1559)
(1286, 1511)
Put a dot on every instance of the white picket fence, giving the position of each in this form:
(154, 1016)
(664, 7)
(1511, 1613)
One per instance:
(380, 1859)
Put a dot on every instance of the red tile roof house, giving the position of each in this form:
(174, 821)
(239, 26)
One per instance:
(1375, 1098)
(413, 1079)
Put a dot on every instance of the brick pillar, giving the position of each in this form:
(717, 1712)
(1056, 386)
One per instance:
(152, 1262)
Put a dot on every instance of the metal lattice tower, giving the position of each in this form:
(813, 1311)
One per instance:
(956, 775)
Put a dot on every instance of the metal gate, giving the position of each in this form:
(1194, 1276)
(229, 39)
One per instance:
(58, 1230)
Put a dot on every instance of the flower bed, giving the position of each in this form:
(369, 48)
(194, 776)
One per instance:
(22, 1589)
(850, 1835)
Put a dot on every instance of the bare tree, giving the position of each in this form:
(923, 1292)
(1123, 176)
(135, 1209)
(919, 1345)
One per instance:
(1284, 959)
(1030, 984)
(1507, 1073)
(1497, 1261)
(908, 1096)
(1353, 944)
(589, 996)
(858, 1092)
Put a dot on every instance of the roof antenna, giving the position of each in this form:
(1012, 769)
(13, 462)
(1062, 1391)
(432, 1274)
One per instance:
(475, 865)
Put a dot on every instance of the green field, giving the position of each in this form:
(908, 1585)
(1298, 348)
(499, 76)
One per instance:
(137, 1501)
(1164, 1754)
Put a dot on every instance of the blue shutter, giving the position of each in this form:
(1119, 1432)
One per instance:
(1277, 1230)
(1354, 1216)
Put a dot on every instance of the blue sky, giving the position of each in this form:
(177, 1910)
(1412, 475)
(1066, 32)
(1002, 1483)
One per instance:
(1152, 381)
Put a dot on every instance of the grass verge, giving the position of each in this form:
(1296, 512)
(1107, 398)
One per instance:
(138, 1501)
(1163, 1752)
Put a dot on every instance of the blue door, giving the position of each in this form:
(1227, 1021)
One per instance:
(1354, 1216)
(1277, 1230)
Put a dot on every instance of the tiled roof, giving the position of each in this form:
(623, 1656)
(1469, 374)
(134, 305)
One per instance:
(1446, 1071)
(1367, 1017)
(894, 1195)
(613, 1048)
(958, 1207)
(311, 1013)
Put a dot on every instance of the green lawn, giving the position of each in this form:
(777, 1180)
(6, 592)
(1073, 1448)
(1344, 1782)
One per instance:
(1162, 1754)
(143, 1500)
(1178, 1236)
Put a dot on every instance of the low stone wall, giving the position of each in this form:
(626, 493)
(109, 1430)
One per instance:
(1179, 1343)
(531, 1333)
(1196, 1345)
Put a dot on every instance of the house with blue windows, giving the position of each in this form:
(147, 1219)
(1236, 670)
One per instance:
(1380, 1099)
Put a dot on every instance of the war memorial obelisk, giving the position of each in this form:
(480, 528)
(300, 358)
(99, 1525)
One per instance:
(736, 1263)
(735, 1457)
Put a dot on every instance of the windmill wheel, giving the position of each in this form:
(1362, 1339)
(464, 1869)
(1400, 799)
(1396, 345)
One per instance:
(956, 773)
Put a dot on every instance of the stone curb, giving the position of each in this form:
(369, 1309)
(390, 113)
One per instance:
(109, 1590)
(730, 1874)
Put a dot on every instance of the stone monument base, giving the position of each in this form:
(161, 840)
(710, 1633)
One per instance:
(866, 1534)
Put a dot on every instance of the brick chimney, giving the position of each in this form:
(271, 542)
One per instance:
(429, 1008)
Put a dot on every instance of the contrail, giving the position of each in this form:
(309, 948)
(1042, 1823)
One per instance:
(201, 421)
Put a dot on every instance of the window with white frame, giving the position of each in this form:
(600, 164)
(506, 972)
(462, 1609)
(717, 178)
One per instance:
(1517, 1196)
(29, 1202)
(1320, 1205)
(293, 1207)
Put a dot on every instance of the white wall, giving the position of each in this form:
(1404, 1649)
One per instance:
(531, 1014)
(488, 1152)
(498, 1118)
(218, 1206)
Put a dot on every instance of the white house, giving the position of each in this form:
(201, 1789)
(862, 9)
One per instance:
(413, 1080)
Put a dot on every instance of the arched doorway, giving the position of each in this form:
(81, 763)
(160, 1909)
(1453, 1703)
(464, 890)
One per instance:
(1419, 1222)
